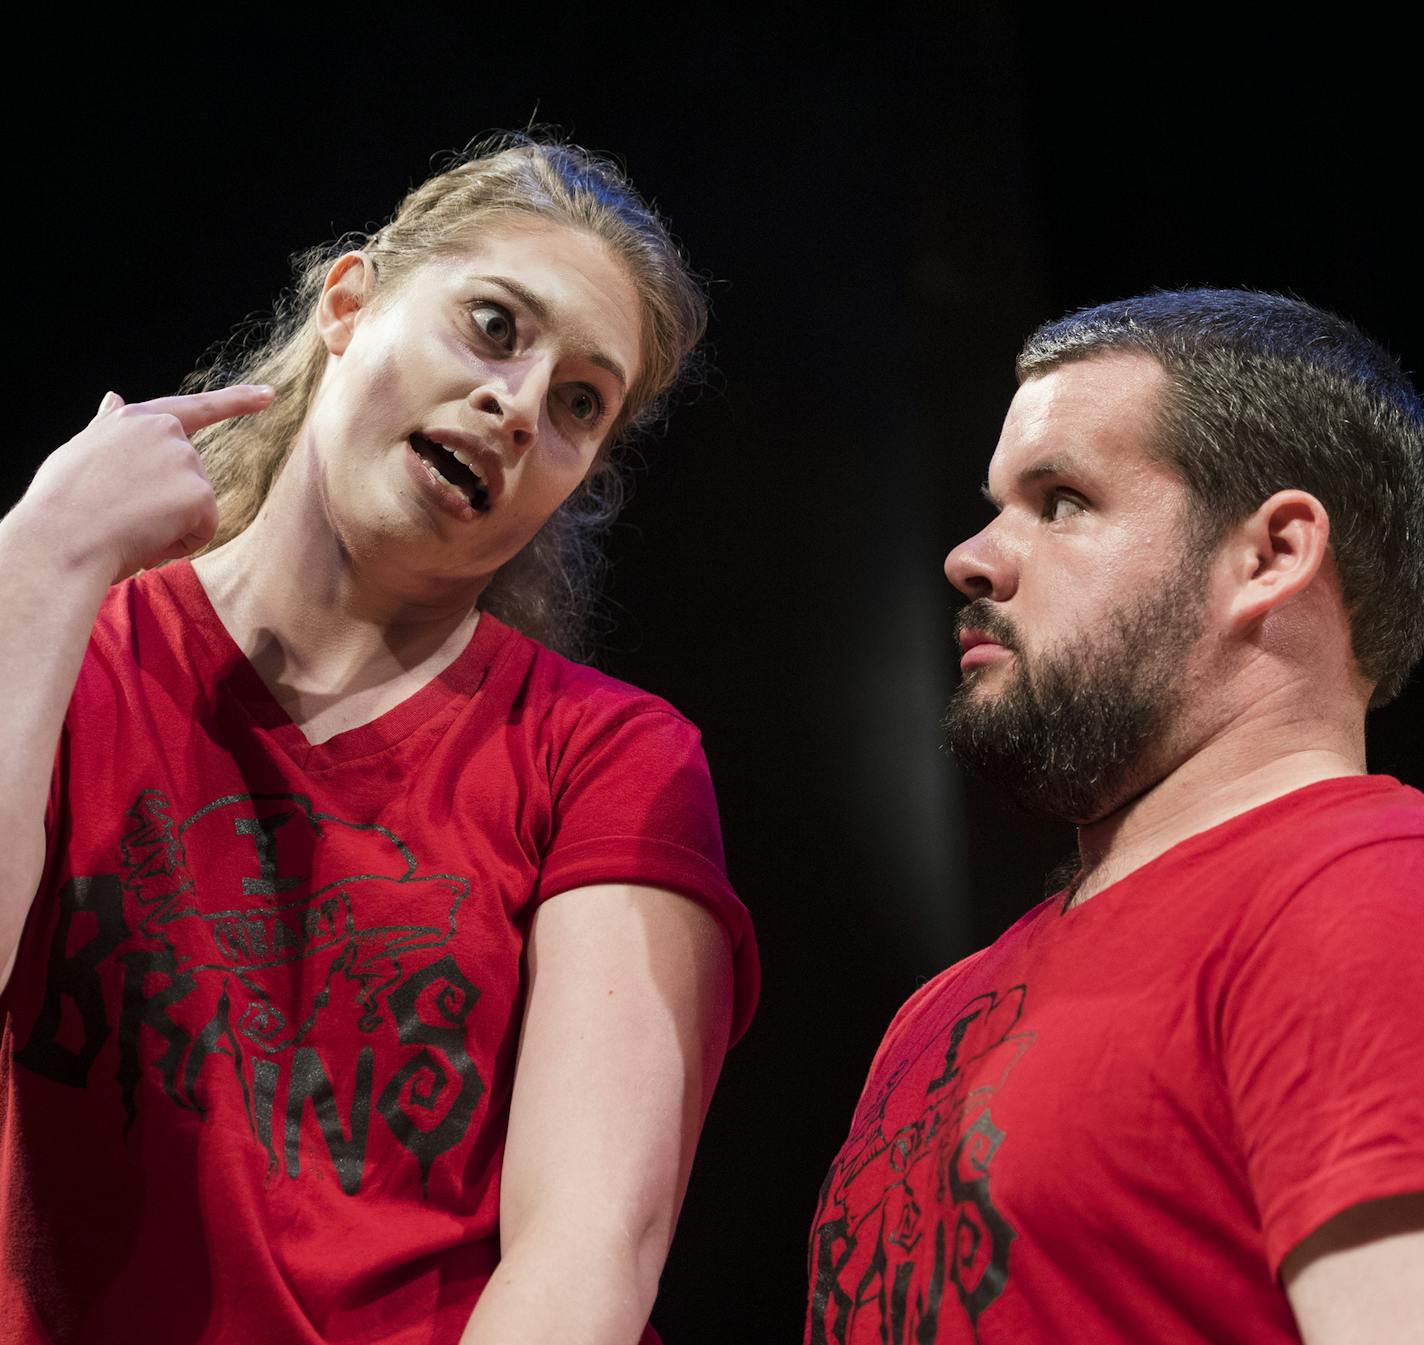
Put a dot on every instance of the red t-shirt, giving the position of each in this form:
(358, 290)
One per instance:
(1113, 1124)
(257, 1050)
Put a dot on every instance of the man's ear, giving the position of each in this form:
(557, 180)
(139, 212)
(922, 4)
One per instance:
(1275, 553)
(345, 293)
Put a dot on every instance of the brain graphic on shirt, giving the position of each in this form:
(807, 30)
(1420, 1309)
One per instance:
(279, 900)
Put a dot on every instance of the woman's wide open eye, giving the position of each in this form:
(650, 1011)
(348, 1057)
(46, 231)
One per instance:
(496, 322)
(584, 403)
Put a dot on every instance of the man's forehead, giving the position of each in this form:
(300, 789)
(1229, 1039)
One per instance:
(1078, 416)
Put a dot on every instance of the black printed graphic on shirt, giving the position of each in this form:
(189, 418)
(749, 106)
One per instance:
(907, 1231)
(211, 961)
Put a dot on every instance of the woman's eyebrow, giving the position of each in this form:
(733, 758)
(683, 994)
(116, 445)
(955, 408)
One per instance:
(543, 313)
(526, 296)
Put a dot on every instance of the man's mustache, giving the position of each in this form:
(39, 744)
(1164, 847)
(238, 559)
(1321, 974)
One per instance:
(981, 614)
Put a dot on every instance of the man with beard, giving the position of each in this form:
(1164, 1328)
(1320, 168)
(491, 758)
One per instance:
(1183, 1098)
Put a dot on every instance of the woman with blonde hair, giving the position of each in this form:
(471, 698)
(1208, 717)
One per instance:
(368, 963)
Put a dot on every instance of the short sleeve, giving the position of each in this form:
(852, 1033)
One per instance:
(1322, 1043)
(635, 805)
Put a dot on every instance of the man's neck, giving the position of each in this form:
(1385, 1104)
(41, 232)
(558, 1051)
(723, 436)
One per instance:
(1268, 752)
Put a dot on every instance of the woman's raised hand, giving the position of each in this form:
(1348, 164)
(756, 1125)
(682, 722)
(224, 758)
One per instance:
(129, 489)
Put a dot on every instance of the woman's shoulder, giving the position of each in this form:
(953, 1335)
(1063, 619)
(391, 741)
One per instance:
(541, 677)
(152, 603)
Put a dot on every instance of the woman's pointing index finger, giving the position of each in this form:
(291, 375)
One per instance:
(197, 410)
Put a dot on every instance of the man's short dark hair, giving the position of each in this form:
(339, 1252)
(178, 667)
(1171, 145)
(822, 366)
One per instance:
(1265, 394)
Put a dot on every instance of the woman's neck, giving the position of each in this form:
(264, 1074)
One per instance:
(322, 626)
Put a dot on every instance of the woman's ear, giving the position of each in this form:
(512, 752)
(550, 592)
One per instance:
(345, 293)
(1275, 553)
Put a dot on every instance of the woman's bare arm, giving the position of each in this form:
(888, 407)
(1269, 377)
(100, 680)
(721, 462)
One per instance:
(630, 1002)
(1359, 1279)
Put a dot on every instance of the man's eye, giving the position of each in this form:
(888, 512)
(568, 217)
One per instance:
(584, 404)
(1060, 505)
(496, 322)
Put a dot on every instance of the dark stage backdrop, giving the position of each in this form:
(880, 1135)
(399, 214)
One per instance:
(885, 208)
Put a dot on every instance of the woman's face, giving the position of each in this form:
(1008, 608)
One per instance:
(461, 407)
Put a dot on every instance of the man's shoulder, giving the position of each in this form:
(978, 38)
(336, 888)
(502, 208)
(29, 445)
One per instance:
(1312, 826)
(1377, 800)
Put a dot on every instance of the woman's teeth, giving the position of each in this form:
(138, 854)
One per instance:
(451, 467)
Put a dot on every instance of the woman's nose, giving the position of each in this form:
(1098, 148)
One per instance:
(511, 407)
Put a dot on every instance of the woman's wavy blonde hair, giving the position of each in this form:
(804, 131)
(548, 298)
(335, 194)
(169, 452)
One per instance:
(550, 588)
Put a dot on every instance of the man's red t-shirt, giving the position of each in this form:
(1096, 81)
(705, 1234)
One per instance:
(1111, 1126)
(257, 1050)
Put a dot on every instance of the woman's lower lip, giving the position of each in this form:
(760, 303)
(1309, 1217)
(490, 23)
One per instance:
(978, 655)
(444, 496)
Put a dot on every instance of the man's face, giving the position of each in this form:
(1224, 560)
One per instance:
(1087, 598)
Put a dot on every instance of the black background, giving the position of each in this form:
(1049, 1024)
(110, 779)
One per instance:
(887, 201)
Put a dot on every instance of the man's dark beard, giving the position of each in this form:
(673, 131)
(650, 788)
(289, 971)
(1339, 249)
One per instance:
(1067, 735)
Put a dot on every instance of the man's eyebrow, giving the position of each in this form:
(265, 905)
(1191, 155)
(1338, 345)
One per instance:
(542, 313)
(1044, 467)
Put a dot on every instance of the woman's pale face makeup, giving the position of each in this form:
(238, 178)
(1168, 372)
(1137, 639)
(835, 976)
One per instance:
(461, 406)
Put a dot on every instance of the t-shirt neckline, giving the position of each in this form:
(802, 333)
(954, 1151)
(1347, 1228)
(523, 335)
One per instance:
(241, 681)
(1211, 836)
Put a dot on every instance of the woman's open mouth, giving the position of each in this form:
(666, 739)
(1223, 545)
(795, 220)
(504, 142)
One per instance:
(449, 467)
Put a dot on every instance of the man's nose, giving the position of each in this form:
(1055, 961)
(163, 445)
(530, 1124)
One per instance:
(979, 568)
